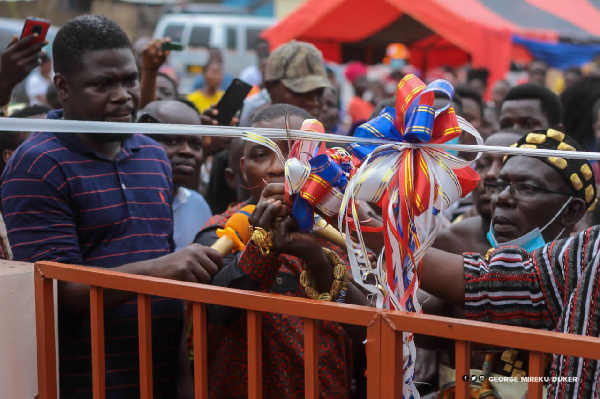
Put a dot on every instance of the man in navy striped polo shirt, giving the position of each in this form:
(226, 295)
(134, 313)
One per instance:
(102, 200)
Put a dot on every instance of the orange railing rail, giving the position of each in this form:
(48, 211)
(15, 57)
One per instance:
(384, 333)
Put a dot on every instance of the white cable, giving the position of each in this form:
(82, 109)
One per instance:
(70, 126)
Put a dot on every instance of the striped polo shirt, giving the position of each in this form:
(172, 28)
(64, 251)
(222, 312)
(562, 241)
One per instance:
(63, 202)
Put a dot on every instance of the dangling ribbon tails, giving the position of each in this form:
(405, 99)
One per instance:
(412, 185)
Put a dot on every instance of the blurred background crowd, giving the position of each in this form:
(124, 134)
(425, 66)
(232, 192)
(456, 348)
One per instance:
(516, 67)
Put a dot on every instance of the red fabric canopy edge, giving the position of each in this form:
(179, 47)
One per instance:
(489, 46)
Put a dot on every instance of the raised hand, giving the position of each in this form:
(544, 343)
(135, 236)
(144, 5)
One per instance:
(16, 62)
(272, 216)
(153, 56)
(209, 117)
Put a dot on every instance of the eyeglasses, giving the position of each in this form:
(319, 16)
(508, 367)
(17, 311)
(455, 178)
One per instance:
(520, 191)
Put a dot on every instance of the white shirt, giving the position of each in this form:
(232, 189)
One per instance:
(36, 85)
(190, 213)
(251, 75)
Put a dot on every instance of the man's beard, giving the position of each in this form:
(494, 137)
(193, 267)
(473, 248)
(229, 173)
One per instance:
(110, 137)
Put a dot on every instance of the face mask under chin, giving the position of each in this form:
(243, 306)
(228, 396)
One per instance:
(530, 241)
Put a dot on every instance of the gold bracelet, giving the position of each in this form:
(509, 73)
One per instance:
(339, 284)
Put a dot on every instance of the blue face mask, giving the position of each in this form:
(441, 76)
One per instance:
(397, 63)
(530, 241)
(453, 141)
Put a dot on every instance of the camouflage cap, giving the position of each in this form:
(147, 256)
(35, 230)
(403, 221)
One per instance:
(299, 66)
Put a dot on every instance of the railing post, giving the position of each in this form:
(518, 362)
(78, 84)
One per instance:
(535, 390)
(373, 350)
(311, 359)
(463, 367)
(254, 355)
(97, 340)
(46, 344)
(200, 351)
(145, 345)
(392, 361)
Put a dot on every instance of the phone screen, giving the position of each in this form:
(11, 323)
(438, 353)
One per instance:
(232, 101)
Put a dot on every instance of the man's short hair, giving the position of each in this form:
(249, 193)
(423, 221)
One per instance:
(478, 74)
(189, 104)
(278, 111)
(171, 80)
(468, 92)
(551, 106)
(83, 34)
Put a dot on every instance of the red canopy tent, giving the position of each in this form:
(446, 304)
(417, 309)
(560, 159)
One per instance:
(437, 32)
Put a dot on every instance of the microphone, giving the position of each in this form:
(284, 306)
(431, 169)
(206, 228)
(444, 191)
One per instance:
(236, 233)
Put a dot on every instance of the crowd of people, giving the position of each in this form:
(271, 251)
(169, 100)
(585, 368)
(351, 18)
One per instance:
(521, 250)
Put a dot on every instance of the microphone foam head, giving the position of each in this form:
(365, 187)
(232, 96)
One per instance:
(239, 222)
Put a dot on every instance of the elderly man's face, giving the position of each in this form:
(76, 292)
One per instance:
(513, 217)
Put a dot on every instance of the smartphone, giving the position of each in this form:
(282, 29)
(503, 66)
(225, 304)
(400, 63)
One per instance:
(35, 25)
(172, 46)
(232, 101)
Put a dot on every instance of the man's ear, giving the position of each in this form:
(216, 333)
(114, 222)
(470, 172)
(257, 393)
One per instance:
(6, 154)
(243, 168)
(574, 212)
(230, 178)
(271, 87)
(62, 87)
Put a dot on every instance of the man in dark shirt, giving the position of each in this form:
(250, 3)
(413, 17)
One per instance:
(101, 200)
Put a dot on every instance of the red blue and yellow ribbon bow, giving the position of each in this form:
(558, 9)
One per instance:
(316, 177)
(411, 184)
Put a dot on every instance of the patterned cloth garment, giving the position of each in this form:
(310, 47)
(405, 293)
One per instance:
(282, 335)
(555, 287)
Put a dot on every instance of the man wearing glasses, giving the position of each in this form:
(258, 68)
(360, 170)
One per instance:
(537, 200)
(554, 287)
(529, 201)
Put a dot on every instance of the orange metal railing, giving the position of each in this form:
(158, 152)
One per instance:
(384, 333)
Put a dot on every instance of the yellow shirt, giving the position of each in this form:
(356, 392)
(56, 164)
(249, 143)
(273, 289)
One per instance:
(202, 101)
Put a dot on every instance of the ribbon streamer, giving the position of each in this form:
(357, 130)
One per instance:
(412, 183)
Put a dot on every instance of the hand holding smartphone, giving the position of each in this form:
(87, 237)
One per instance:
(232, 101)
(35, 25)
(172, 46)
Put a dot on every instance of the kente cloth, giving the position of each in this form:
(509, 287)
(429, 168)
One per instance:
(282, 335)
(555, 287)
